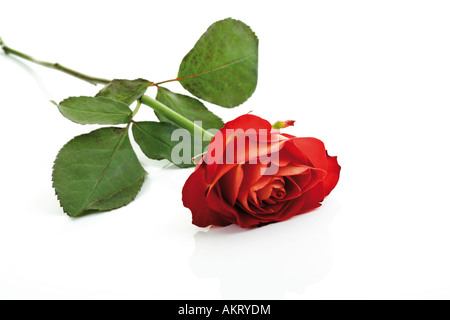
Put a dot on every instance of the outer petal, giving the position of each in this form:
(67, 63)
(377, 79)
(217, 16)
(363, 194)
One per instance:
(194, 198)
(248, 121)
(313, 198)
(245, 122)
(332, 177)
(292, 149)
(218, 145)
(314, 149)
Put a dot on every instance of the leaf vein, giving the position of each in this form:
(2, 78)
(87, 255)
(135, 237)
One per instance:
(100, 179)
(151, 135)
(216, 69)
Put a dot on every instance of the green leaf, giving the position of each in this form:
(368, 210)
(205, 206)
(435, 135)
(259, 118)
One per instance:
(188, 107)
(98, 171)
(222, 68)
(95, 110)
(155, 140)
(126, 91)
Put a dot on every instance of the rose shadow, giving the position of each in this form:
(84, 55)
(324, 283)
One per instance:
(270, 261)
(34, 75)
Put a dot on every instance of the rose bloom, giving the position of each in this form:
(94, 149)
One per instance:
(265, 177)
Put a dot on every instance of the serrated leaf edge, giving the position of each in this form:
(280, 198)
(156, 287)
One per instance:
(181, 79)
(86, 208)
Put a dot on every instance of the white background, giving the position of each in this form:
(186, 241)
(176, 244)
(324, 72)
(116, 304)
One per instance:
(369, 78)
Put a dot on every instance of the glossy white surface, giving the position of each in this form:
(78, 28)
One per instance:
(369, 78)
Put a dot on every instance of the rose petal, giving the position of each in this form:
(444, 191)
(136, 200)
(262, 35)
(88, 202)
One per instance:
(246, 139)
(332, 177)
(313, 197)
(314, 149)
(249, 121)
(262, 182)
(291, 209)
(296, 153)
(302, 179)
(265, 192)
(218, 144)
(307, 202)
(234, 214)
(230, 184)
(252, 173)
(292, 170)
(216, 202)
(293, 190)
(194, 198)
(266, 211)
(317, 176)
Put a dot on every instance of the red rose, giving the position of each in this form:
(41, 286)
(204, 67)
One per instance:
(271, 177)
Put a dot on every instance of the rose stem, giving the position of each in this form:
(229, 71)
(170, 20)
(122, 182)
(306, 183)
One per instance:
(152, 103)
(56, 66)
(174, 116)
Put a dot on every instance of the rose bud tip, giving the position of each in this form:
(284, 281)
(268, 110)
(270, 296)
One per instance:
(283, 124)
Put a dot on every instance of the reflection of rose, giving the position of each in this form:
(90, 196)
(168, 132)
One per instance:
(279, 261)
(225, 192)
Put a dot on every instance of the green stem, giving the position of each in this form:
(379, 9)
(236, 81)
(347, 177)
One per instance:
(175, 117)
(56, 66)
(152, 103)
(136, 110)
